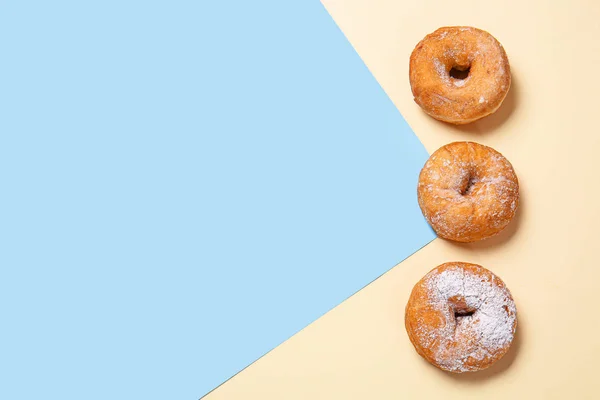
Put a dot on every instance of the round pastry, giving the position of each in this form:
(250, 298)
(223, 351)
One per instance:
(468, 191)
(459, 74)
(461, 317)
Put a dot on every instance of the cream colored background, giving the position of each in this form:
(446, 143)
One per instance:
(548, 257)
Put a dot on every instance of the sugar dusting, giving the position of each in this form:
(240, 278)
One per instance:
(441, 69)
(468, 191)
(483, 334)
(462, 46)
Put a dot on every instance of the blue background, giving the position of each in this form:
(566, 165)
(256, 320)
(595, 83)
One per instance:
(185, 185)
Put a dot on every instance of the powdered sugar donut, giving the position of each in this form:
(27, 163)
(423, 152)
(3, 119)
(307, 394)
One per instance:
(461, 317)
(459, 74)
(468, 191)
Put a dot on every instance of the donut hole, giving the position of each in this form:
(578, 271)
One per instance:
(463, 313)
(460, 308)
(459, 72)
(468, 188)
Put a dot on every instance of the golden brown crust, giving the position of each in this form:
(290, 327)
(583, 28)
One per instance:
(461, 317)
(468, 191)
(459, 101)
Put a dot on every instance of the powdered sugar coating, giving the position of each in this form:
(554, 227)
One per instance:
(461, 317)
(468, 191)
(454, 100)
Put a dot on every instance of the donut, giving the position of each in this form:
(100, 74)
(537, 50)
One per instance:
(459, 74)
(461, 317)
(467, 191)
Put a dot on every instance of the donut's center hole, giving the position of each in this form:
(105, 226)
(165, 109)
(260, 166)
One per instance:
(463, 313)
(469, 186)
(459, 72)
(460, 307)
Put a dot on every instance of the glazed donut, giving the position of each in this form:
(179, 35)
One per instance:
(439, 59)
(467, 191)
(461, 317)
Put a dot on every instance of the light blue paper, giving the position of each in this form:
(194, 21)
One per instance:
(185, 185)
